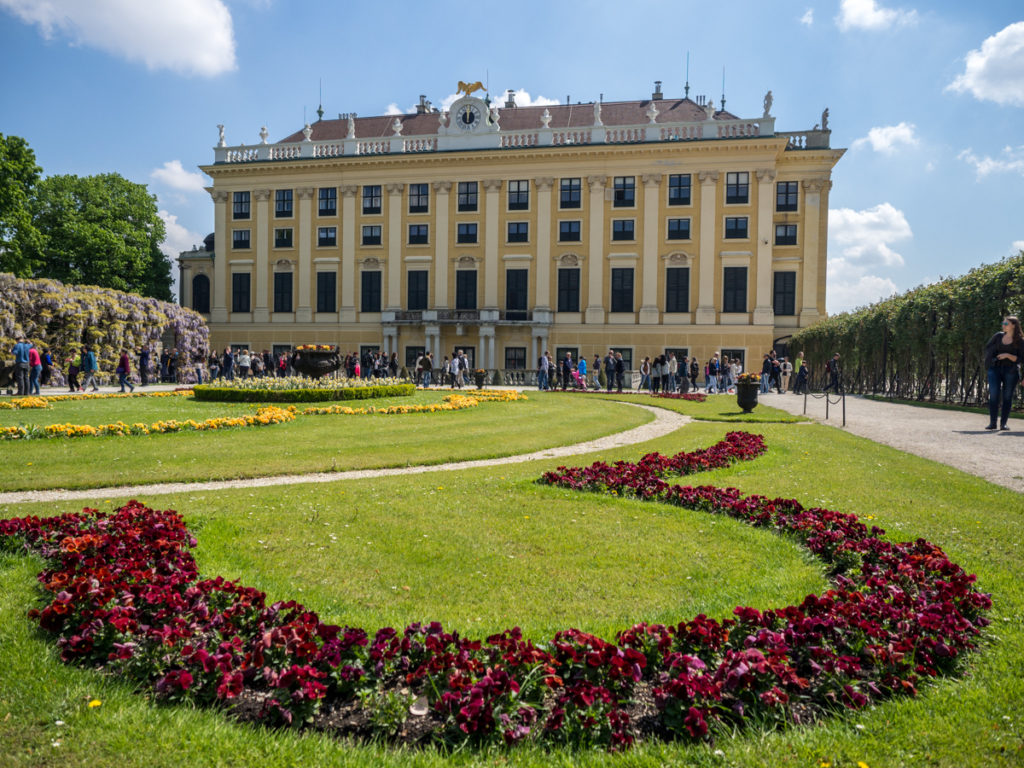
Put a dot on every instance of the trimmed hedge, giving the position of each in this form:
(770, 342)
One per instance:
(309, 395)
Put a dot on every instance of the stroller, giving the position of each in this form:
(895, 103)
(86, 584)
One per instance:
(578, 382)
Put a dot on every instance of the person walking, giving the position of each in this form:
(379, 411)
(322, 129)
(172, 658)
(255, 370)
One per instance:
(44, 377)
(542, 371)
(832, 368)
(89, 369)
(35, 369)
(1003, 354)
(609, 370)
(124, 368)
(673, 372)
(801, 379)
(620, 370)
(766, 373)
(74, 366)
(798, 362)
(645, 374)
(712, 375)
(227, 364)
(567, 370)
(428, 367)
(787, 373)
(581, 370)
(144, 355)
(22, 366)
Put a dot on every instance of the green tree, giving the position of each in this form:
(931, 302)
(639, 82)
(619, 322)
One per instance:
(20, 241)
(101, 230)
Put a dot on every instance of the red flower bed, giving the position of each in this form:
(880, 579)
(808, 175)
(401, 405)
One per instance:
(696, 397)
(126, 596)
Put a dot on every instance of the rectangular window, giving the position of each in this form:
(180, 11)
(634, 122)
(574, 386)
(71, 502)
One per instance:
(417, 280)
(569, 289)
(627, 357)
(622, 289)
(326, 236)
(240, 239)
(516, 282)
(678, 229)
(786, 195)
(371, 235)
(624, 192)
(570, 195)
(518, 232)
(326, 291)
(735, 227)
(785, 234)
(734, 289)
(240, 291)
(515, 358)
(519, 195)
(412, 354)
(465, 289)
(240, 205)
(282, 291)
(466, 233)
(677, 289)
(417, 234)
(283, 203)
(784, 301)
(737, 187)
(283, 238)
(467, 196)
(370, 293)
(737, 354)
(679, 189)
(371, 198)
(419, 198)
(328, 201)
(568, 231)
(622, 229)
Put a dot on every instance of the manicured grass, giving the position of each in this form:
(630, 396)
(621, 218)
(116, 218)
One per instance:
(971, 721)
(310, 443)
(715, 408)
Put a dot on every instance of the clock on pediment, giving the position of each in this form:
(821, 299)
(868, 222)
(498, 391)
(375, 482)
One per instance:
(469, 114)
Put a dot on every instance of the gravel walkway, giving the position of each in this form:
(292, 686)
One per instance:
(956, 438)
(665, 422)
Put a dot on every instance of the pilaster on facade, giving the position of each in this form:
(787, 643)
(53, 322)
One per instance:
(441, 192)
(347, 311)
(261, 310)
(706, 314)
(595, 313)
(542, 281)
(219, 310)
(304, 310)
(812, 212)
(649, 311)
(487, 346)
(492, 188)
(393, 300)
(764, 314)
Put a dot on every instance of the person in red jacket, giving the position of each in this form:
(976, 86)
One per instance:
(124, 368)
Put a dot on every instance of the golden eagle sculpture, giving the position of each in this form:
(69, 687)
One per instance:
(468, 88)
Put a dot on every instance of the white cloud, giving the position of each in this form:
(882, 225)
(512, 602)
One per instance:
(860, 243)
(193, 37)
(523, 99)
(1017, 245)
(849, 287)
(175, 176)
(394, 109)
(887, 139)
(808, 17)
(996, 72)
(179, 238)
(867, 14)
(1010, 161)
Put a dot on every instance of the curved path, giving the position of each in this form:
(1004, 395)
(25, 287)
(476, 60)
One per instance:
(665, 422)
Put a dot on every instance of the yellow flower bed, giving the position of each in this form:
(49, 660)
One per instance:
(24, 402)
(264, 416)
(498, 395)
(113, 395)
(451, 403)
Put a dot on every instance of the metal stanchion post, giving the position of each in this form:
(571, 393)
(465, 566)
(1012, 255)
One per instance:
(844, 409)
(826, 406)
(805, 402)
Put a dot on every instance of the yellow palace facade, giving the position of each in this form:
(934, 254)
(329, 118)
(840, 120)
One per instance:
(640, 226)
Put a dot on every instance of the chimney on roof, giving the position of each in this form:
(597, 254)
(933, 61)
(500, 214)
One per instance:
(657, 95)
(510, 99)
(424, 106)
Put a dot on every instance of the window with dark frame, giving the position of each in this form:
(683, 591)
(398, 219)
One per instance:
(412, 354)
(326, 291)
(518, 232)
(569, 289)
(784, 299)
(240, 282)
(419, 198)
(679, 189)
(735, 227)
(240, 205)
(624, 195)
(465, 233)
(677, 289)
(786, 195)
(370, 291)
(737, 187)
(570, 193)
(519, 195)
(282, 291)
(240, 239)
(283, 237)
(515, 358)
(785, 234)
(371, 234)
(201, 294)
(465, 289)
(283, 203)
(622, 289)
(416, 295)
(371, 199)
(326, 237)
(328, 201)
(569, 232)
(468, 196)
(516, 288)
(622, 229)
(734, 289)
(678, 229)
(418, 234)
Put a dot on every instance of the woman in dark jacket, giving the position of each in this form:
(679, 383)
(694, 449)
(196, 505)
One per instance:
(1003, 355)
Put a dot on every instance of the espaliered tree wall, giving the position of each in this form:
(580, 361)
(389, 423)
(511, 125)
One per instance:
(63, 318)
(926, 344)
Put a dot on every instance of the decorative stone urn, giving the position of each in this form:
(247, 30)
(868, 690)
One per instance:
(479, 378)
(316, 360)
(746, 395)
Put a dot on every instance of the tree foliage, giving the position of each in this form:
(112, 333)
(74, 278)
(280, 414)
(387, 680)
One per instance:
(926, 344)
(19, 238)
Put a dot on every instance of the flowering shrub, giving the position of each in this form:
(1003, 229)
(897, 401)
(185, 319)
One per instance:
(453, 402)
(299, 389)
(125, 595)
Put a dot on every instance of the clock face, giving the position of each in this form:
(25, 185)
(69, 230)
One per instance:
(468, 117)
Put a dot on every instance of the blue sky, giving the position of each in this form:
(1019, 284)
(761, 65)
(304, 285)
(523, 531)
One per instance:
(927, 96)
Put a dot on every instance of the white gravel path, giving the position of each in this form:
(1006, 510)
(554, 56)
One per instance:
(665, 422)
(956, 438)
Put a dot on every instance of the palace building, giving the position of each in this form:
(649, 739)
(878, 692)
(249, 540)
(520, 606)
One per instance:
(642, 226)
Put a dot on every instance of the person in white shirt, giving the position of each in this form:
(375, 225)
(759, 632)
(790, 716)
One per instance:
(673, 369)
(787, 371)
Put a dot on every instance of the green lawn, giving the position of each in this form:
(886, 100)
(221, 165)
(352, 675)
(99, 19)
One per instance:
(577, 559)
(714, 408)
